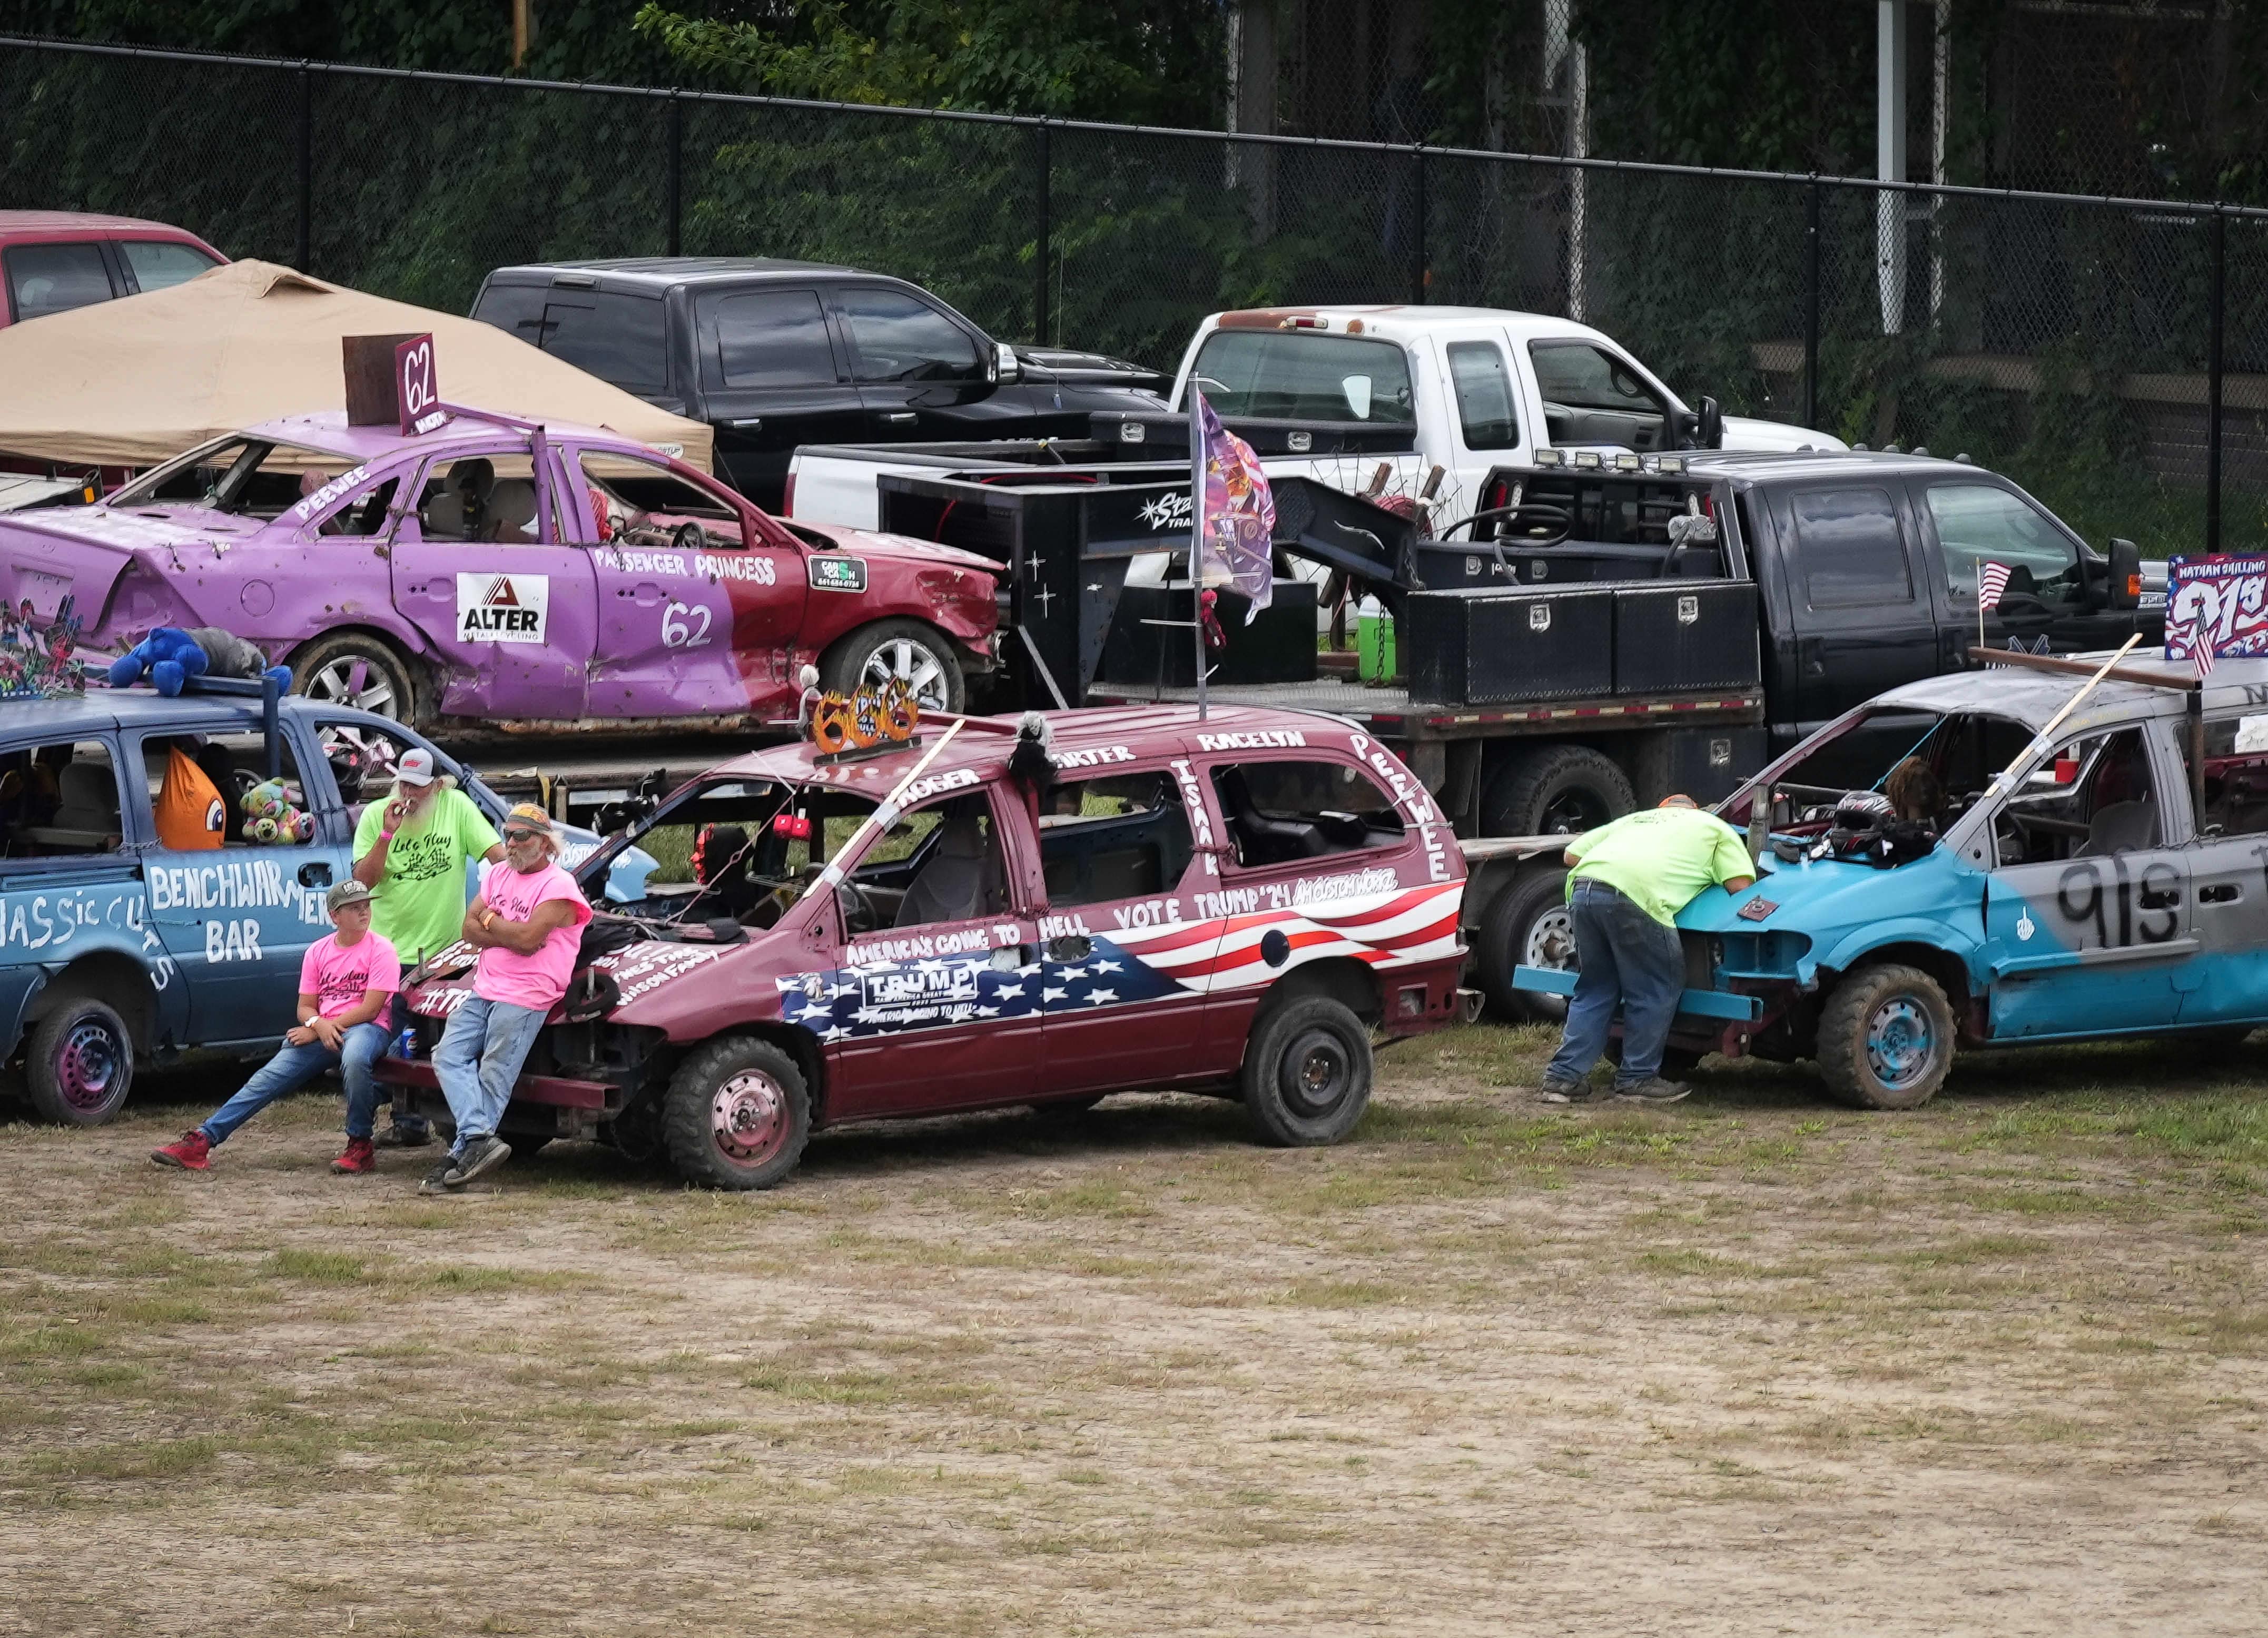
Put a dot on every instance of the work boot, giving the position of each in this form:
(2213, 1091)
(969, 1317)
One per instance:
(397, 1136)
(1653, 1089)
(1554, 1090)
(359, 1157)
(438, 1180)
(192, 1153)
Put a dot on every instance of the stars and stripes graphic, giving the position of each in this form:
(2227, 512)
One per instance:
(1391, 928)
(1991, 581)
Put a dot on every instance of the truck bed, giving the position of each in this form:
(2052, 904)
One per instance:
(1392, 715)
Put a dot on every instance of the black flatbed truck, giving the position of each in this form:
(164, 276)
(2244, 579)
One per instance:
(1820, 580)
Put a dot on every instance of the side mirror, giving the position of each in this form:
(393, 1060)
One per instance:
(2125, 574)
(1710, 434)
(1005, 367)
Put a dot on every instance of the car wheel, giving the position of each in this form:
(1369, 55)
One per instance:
(1307, 1072)
(1528, 925)
(871, 654)
(79, 1065)
(1886, 1037)
(737, 1115)
(354, 670)
(1562, 791)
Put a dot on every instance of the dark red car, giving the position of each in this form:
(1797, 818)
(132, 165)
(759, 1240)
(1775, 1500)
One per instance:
(1238, 906)
(54, 260)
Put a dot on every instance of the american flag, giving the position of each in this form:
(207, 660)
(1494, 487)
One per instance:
(2201, 652)
(1992, 580)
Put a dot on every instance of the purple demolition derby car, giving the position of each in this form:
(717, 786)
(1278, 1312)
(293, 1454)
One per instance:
(495, 573)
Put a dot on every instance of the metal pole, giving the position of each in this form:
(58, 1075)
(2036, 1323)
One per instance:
(1196, 538)
(1811, 302)
(2213, 382)
(676, 174)
(305, 253)
(1417, 234)
(1042, 162)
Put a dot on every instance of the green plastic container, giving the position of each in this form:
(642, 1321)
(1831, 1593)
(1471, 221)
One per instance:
(1373, 642)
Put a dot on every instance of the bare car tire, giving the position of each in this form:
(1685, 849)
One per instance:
(1562, 791)
(1307, 1072)
(737, 1115)
(353, 669)
(1528, 925)
(1886, 1037)
(79, 1065)
(871, 654)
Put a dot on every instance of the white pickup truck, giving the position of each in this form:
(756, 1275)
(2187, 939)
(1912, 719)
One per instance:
(1335, 394)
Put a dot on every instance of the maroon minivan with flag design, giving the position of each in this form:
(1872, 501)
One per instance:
(1240, 905)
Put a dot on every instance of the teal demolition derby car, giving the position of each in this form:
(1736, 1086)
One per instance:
(1947, 865)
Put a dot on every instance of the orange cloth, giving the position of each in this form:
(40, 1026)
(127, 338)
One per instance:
(190, 813)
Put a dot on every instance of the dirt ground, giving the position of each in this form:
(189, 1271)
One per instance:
(1752, 1365)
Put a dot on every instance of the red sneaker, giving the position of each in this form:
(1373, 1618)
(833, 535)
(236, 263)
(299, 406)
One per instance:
(359, 1157)
(193, 1153)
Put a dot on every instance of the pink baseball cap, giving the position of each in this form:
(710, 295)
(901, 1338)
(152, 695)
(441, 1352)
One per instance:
(416, 767)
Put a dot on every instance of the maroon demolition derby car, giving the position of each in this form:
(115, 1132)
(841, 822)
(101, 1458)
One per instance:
(1237, 906)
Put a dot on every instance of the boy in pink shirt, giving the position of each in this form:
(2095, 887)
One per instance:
(528, 924)
(346, 980)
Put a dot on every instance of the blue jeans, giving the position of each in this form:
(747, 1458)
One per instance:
(293, 1067)
(478, 1059)
(1628, 959)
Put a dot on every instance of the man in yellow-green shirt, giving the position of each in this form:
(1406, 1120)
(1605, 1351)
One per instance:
(1626, 882)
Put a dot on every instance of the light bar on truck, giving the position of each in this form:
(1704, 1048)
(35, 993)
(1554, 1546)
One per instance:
(1588, 460)
(1549, 457)
(1628, 462)
(1670, 466)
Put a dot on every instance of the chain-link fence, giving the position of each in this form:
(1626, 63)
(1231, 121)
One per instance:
(2072, 343)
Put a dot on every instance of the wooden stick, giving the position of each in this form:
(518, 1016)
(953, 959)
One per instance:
(833, 873)
(2005, 779)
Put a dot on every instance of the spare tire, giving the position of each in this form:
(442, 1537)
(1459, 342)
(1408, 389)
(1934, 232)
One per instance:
(1560, 791)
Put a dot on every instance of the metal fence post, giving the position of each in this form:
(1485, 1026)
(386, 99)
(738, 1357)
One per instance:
(2213, 380)
(305, 253)
(676, 174)
(1811, 302)
(1042, 162)
(1417, 232)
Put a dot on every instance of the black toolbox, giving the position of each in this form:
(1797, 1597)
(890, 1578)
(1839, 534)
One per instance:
(1485, 646)
(1681, 635)
(1280, 646)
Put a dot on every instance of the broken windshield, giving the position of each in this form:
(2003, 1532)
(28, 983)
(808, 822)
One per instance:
(249, 477)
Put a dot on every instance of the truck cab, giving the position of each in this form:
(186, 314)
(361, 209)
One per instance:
(777, 354)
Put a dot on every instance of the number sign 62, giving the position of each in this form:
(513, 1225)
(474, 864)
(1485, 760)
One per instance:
(678, 626)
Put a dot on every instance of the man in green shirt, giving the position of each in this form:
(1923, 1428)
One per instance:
(411, 851)
(1626, 882)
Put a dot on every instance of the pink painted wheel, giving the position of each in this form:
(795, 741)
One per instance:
(748, 1118)
(78, 1065)
(736, 1114)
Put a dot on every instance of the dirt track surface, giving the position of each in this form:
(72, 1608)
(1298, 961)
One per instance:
(1750, 1364)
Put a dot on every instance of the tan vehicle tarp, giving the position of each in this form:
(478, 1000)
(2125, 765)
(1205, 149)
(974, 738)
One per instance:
(129, 383)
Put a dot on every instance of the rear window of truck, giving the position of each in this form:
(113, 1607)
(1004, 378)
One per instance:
(616, 336)
(1300, 375)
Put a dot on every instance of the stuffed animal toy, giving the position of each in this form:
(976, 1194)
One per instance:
(273, 812)
(1031, 760)
(169, 657)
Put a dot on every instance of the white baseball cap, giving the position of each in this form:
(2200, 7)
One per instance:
(416, 767)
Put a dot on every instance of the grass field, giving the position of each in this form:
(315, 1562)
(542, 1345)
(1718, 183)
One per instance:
(1752, 1365)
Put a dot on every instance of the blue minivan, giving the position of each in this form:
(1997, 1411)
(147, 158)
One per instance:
(116, 951)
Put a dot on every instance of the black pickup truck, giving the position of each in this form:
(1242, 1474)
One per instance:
(776, 354)
(1603, 629)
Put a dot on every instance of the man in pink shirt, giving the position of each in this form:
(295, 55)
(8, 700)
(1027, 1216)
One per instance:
(346, 980)
(528, 924)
